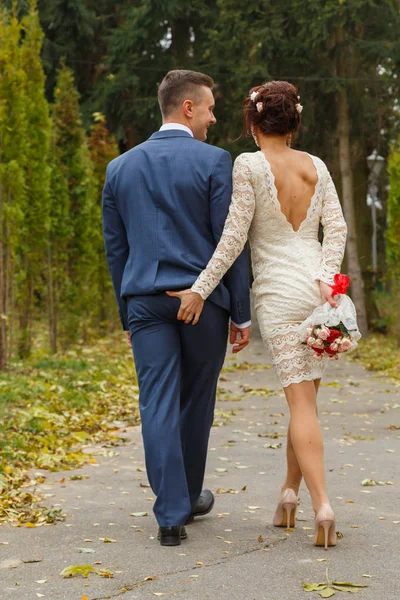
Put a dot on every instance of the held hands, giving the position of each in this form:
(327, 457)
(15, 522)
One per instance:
(239, 337)
(191, 306)
(326, 294)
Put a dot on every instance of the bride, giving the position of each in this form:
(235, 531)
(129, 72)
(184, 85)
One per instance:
(280, 197)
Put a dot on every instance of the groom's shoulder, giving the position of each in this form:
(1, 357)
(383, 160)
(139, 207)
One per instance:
(210, 150)
(114, 165)
(207, 157)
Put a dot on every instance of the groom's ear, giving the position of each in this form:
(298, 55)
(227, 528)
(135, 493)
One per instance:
(187, 107)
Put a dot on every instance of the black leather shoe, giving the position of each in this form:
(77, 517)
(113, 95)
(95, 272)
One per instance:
(203, 505)
(171, 536)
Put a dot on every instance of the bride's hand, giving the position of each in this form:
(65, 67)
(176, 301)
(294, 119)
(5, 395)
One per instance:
(191, 306)
(326, 294)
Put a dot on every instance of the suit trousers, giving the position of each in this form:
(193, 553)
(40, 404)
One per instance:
(177, 367)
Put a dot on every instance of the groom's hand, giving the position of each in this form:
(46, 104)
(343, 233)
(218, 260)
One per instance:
(191, 306)
(239, 337)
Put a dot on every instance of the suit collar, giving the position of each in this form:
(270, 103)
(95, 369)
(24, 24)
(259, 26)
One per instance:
(170, 133)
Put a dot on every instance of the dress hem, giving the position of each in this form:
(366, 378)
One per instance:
(302, 378)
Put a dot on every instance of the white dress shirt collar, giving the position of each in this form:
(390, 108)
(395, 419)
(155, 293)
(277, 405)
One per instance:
(169, 126)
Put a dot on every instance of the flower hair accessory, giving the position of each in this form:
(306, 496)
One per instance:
(253, 96)
(259, 106)
(299, 108)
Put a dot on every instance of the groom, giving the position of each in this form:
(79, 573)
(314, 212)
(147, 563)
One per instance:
(164, 207)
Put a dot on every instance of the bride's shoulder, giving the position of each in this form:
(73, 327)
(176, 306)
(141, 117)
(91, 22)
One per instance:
(247, 158)
(304, 155)
(319, 164)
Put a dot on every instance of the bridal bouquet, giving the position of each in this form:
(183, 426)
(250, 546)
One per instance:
(330, 331)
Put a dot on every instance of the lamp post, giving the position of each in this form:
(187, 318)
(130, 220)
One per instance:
(375, 164)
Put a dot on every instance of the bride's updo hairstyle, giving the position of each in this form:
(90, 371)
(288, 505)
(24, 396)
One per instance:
(273, 107)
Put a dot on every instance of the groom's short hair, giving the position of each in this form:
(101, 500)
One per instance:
(179, 85)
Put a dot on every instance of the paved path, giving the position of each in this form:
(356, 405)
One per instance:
(234, 553)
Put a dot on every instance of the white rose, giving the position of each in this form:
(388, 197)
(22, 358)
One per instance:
(253, 96)
(346, 344)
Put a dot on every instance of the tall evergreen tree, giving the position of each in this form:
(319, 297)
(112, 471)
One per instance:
(393, 230)
(34, 231)
(73, 159)
(69, 27)
(60, 232)
(103, 148)
(13, 137)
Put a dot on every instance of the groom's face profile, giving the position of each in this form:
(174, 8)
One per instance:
(201, 113)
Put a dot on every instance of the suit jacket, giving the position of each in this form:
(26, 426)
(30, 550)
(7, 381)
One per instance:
(164, 207)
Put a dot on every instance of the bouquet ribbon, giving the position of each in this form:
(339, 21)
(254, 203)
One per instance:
(340, 285)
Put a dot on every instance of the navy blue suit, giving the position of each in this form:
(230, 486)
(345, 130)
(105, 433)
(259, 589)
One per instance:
(164, 207)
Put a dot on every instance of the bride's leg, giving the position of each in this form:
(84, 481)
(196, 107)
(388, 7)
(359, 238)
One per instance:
(294, 474)
(306, 438)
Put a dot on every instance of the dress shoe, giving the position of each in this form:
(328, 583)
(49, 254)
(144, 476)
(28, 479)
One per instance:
(325, 527)
(285, 514)
(203, 505)
(171, 536)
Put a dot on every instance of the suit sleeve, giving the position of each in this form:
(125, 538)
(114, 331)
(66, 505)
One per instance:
(236, 278)
(116, 247)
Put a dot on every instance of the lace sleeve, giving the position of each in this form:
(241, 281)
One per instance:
(235, 232)
(335, 233)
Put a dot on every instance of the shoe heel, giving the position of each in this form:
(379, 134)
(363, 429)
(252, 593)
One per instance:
(326, 526)
(170, 541)
(290, 508)
(285, 514)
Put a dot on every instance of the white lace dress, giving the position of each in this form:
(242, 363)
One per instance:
(287, 264)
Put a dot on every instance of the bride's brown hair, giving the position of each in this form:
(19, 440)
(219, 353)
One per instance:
(278, 113)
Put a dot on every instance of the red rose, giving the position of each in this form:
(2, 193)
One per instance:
(330, 352)
(333, 335)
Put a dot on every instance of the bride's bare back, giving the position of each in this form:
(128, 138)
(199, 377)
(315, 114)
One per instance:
(295, 181)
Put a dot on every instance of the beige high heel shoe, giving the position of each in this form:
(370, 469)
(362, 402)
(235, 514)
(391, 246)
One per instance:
(325, 527)
(285, 514)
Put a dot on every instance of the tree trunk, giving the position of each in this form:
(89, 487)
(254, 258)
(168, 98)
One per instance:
(25, 316)
(180, 45)
(52, 304)
(131, 137)
(10, 306)
(354, 269)
(3, 288)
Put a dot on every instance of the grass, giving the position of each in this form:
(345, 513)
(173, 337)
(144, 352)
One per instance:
(52, 406)
(379, 353)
